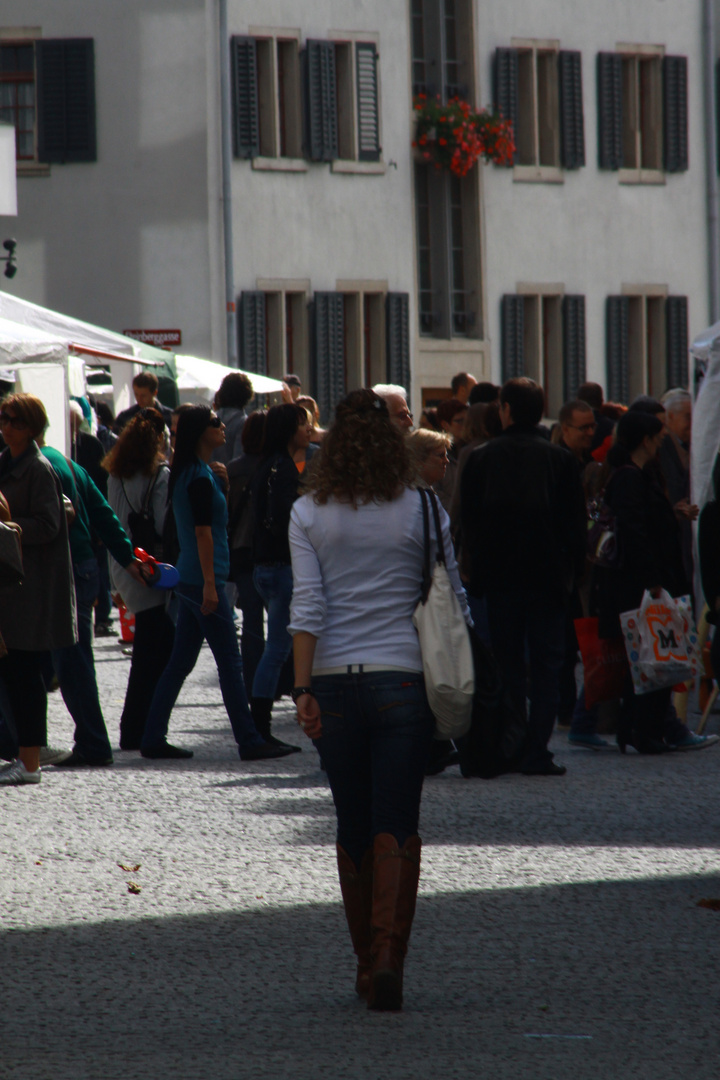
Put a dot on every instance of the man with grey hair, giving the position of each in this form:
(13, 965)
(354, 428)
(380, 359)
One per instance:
(395, 397)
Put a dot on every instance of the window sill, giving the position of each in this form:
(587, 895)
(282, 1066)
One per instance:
(538, 174)
(279, 164)
(451, 345)
(367, 168)
(32, 168)
(641, 176)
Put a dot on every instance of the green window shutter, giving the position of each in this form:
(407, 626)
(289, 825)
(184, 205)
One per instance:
(397, 329)
(512, 318)
(617, 348)
(574, 354)
(66, 100)
(609, 97)
(572, 125)
(253, 332)
(675, 113)
(368, 119)
(245, 103)
(505, 84)
(676, 324)
(328, 323)
(320, 88)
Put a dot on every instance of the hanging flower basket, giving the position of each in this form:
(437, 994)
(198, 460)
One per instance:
(454, 136)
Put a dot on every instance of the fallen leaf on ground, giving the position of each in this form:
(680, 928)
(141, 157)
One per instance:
(712, 903)
(133, 887)
(38, 862)
(129, 869)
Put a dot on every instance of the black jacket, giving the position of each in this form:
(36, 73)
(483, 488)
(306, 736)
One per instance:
(523, 516)
(274, 490)
(649, 540)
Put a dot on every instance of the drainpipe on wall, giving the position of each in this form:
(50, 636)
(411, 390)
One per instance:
(225, 120)
(711, 151)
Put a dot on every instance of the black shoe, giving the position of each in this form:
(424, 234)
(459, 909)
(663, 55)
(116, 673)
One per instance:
(643, 744)
(545, 768)
(129, 744)
(78, 761)
(104, 629)
(279, 742)
(266, 750)
(165, 750)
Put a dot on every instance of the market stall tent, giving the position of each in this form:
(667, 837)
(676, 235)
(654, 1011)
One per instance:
(39, 364)
(198, 380)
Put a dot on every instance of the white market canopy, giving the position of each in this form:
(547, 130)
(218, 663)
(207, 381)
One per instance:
(201, 378)
(38, 362)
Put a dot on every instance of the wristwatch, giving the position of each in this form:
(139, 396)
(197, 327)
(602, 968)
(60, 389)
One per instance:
(298, 692)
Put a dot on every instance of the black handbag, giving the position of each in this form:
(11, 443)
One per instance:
(11, 564)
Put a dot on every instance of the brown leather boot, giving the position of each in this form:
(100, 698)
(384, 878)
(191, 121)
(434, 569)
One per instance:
(396, 873)
(356, 889)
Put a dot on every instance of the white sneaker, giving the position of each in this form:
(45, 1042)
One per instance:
(18, 774)
(50, 756)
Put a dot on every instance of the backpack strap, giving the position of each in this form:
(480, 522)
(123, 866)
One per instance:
(438, 530)
(426, 574)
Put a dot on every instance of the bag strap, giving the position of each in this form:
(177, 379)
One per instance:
(426, 575)
(438, 530)
(148, 493)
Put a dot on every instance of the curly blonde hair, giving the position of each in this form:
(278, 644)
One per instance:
(363, 457)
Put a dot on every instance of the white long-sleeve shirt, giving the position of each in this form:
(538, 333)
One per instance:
(357, 576)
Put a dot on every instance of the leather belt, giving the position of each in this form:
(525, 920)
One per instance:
(362, 669)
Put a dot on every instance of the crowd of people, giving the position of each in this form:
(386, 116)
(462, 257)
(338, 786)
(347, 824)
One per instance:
(316, 539)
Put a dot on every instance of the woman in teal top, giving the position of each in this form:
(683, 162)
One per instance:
(200, 511)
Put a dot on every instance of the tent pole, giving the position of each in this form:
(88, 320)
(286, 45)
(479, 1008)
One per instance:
(711, 163)
(225, 120)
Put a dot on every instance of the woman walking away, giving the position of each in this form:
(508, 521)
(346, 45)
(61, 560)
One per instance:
(357, 555)
(200, 512)
(39, 614)
(139, 481)
(274, 490)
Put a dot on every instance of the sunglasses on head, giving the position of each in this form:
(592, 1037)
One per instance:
(14, 421)
(214, 421)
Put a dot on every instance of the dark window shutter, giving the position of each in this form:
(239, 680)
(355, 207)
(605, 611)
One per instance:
(675, 113)
(717, 111)
(328, 324)
(397, 328)
(573, 310)
(609, 93)
(66, 100)
(320, 87)
(676, 322)
(572, 125)
(505, 84)
(245, 103)
(367, 102)
(512, 317)
(617, 348)
(253, 336)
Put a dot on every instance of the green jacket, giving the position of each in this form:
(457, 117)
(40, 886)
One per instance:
(93, 513)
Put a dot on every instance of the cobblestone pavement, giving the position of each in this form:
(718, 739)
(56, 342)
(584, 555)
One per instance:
(557, 932)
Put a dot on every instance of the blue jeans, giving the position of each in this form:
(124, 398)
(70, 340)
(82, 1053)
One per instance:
(584, 720)
(252, 639)
(192, 629)
(275, 585)
(75, 670)
(377, 730)
(536, 620)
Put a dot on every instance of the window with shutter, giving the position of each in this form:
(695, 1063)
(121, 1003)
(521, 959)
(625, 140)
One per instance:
(367, 102)
(572, 127)
(505, 79)
(66, 100)
(321, 120)
(397, 322)
(617, 348)
(512, 324)
(675, 113)
(17, 95)
(610, 110)
(676, 334)
(573, 319)
(328, 351)
(253, 332)
(246, 107)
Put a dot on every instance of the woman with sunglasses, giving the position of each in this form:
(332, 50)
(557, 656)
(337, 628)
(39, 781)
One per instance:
(39, 614)
(200, 511)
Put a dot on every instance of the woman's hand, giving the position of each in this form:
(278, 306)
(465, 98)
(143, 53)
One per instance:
(5, 514)
(308, 716)
(210, 599)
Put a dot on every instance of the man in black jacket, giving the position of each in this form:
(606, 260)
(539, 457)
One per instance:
(523, 517)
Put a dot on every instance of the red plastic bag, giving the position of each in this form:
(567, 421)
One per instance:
(605, 663)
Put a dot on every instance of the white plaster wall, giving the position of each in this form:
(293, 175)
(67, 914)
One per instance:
(124, 241)
(593, 233)
(322, 225)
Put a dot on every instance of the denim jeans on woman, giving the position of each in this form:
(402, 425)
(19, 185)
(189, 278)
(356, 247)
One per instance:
(274, 582)
(218, 629)
(376, 734)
